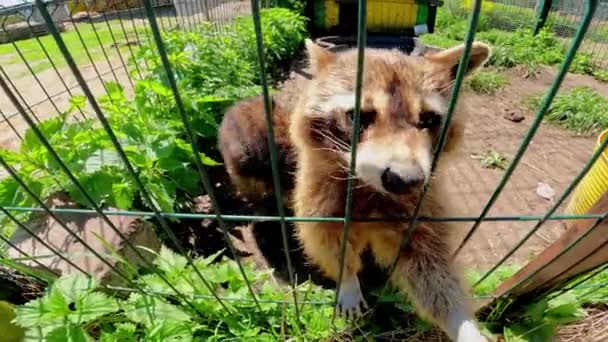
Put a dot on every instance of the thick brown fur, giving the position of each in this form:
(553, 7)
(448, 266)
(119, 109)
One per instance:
(398, 91)
(243, 144)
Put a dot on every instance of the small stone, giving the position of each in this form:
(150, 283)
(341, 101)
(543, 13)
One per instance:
(513, 116)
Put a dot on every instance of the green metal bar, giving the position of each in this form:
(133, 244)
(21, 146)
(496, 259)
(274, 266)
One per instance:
(38, 239)
(124, 32)
(348, 211)
(86, 50)
(571, 187)
(590, 7)
(12, 85)
(256, 218)
(32, 73)
(89, 95)
(543, 13)
(27, 256)
(576, 282)
(7, 120)
(462, 67)
(564, 251)
(80, 188)
(274, 158)
(122, 61)
(191, 138)
(53, 65)
(52, 215)
(567, 249)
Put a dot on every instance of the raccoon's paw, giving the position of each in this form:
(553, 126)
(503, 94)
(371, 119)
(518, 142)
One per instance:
(469, 332)
(351, 303)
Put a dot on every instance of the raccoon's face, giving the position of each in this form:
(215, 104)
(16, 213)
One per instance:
(403, 102)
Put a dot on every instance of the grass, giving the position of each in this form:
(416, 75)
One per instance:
(581, 110)
(487, 82)
(34, 54)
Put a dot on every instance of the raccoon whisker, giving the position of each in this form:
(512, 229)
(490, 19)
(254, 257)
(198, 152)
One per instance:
(333, 139)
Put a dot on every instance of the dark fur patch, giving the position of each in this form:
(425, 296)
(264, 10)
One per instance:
(397, 107)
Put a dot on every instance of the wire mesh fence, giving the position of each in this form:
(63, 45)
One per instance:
(562, 19)
(112, 108)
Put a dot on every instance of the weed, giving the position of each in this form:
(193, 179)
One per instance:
(601, 75)
(492, 160)
(581, 110)
(487, 81)
(75, 307)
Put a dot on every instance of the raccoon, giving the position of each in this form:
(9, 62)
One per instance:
(404, 99)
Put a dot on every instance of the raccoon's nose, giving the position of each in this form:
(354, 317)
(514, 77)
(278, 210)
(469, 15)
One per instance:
(396, 184)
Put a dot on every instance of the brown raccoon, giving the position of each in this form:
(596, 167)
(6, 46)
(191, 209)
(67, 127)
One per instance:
(242, 140)
(403, 101)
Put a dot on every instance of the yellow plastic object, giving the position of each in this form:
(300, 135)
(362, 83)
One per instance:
(381, 14)
(593, 185)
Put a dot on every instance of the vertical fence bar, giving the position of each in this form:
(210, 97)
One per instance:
(53, 65)
(32, 234)
(462, 67)
(191, 138)
(274, 158)
(145, 194)
(348, 211)
(543, 13)
(27, 256)
(590, 6)
(72, 178)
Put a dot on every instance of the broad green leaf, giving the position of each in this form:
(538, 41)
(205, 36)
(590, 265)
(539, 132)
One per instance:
(150, 311)
(162, 193)
(70, 333)
(169, 261)
(92, 306)
(208, 161)
(75, 286)
(536, 311)
(46, 312)
(122, 195)
(170, 331)
(124, 332)
(77, 102)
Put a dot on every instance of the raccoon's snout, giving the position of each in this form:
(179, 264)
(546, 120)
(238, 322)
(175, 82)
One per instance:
(398, 184)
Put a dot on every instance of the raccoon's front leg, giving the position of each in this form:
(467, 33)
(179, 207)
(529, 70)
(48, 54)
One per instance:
(321, 242)
(426, 274)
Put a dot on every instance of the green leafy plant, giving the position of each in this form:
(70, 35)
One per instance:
(540, 320)
(580, 109)
(487, 81)
(601, 75)
(213, 70)
(509, 49)
(492, 160)
(75, 308)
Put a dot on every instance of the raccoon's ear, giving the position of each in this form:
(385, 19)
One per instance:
(449, 59)
(318, 56)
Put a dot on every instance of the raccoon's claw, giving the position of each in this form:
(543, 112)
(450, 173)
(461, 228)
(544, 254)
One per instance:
(351, 303)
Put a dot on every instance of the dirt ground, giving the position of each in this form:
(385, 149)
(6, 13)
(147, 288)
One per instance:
(554, 157)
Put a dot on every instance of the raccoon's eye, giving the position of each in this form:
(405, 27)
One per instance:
(428, 120)
(366, 118)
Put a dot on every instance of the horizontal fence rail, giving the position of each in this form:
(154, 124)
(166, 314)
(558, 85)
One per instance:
(86, 51)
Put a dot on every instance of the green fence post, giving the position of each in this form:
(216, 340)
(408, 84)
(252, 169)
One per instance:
(543, 13)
